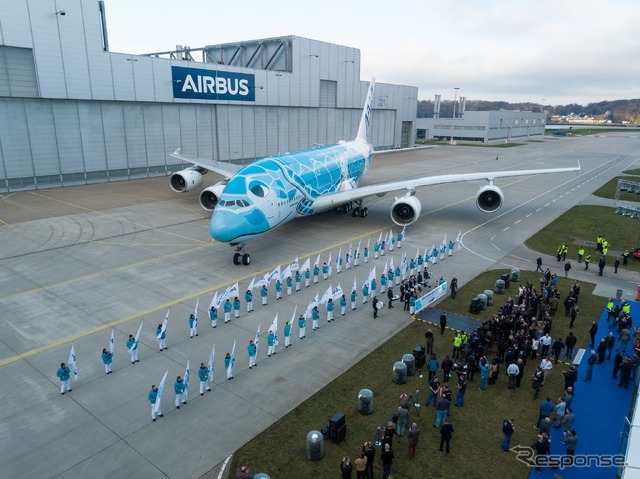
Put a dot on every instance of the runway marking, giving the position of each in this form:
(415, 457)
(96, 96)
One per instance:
(538, 209)
(517, 222)
(554, 200)
(547, 204)
(506, 228)
(492, 244)
(528, 215)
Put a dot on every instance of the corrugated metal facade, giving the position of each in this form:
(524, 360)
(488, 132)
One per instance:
(71, 112)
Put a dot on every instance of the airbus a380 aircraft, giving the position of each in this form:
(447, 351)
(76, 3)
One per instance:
(254, 199)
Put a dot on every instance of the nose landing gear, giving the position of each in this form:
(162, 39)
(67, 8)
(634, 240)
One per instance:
(240, 257)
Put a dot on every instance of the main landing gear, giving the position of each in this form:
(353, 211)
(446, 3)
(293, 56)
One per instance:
(355, 208)
(240, 257)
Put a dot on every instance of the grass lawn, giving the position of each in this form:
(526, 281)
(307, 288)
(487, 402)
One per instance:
(280, 449)
(608, 190)
(632, 172)
(580, 226)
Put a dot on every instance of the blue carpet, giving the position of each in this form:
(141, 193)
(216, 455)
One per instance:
(600, 407)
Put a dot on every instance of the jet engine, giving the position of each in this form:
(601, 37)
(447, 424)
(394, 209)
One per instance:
(406, 210)
(210, 196)
(489, 198)
(187, 179)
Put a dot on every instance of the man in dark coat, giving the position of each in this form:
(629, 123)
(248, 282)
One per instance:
(443, 322)
(446, 433)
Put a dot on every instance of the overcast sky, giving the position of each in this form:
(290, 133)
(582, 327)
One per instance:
(565, 51)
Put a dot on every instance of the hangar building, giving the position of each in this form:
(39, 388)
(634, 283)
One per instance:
(72, 112)
(483, 126)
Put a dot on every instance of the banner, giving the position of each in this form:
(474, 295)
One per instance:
(211, 362)
(135, 339)
(72, 361)
(425, 300)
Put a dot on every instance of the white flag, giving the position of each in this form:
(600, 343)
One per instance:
(161, 388)
(369, 243)
(327, 294)
(355, 285)
(337, 293)
(273, 275)
(135, 340)
(403, 233)
(293, 316)
(112, 345)
(252, 284)
(433, 257)
(386, 267)
(312, 304)
(163, 328)
(274, 328)
(214, 301)
(261, 282)
(255, 341)
(306, 265)
(232, 291)
(459, 239)
(186, 378)
(380, 238)
(211, 362)
(372, 274)
(195, 312)
(72, 361)
(330, 265)
(317, 261)
(294, 266)
(286, 273)
(417, 254)
(392, 267)
(339, 254)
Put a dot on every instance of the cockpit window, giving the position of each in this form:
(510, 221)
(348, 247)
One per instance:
(230, 203)
(259, 189)
(221, 203)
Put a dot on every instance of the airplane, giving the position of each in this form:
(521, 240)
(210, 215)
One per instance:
(254, 199)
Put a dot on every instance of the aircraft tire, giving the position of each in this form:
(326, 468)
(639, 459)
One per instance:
(237, 259)
(365, 212)
(356, 212)
(246, 259)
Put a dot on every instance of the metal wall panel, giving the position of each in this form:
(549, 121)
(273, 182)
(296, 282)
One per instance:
(260, 127)
(154, 138)
(314, 138)
(65, 116)
(294, 131)
(74, 51)
(93, 147)
(114, 137)
(17, 72)
(134, 134)
(204, 126)
(322, 126)
(101, 76)
(143, 79)
(14, 139)
(163, 86)
(47, 53)
(43, 139)
(14, 24)
(303, 128)
(248, 132)
(223, 133)
(171, 131)
(188, 132)
(283, 130)
(272, 130)
(122, 71)
(235, 132)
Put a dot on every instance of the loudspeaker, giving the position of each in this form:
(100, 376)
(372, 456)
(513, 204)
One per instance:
(338, 435)
(324, 430)
(337, 421)
(475, 307)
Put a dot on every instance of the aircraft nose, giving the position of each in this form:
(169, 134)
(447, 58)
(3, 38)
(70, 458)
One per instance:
(224, 226)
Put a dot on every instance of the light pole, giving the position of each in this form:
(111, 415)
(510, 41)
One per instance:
(453, 117)
(542, 106)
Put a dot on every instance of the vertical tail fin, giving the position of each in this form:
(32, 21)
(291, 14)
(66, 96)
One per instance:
(366, 113)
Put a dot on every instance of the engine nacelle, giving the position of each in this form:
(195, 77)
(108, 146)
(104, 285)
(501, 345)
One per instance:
(210, 196)
(489, 198)
(187, 179)
(406, 210)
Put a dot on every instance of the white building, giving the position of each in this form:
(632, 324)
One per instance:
(483, 126)
(72, 112)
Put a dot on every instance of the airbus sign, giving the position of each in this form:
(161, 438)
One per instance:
(197, 83)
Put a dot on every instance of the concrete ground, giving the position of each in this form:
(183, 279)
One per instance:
(77, 262)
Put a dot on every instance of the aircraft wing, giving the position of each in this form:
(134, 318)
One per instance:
(228, 170)
(340, 197)
(400, 150)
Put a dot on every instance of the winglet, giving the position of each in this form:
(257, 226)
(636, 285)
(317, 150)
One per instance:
(366, 113)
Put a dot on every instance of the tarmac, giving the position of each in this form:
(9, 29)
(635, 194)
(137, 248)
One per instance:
(77, 262)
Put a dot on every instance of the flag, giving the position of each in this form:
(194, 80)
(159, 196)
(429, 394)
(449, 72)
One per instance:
(286, 273)
(312, 304)
(214, 301)
(391, 234)
(403, 233)
(195, 312)
(294, 266)
(417, 254)
(261, 282)
(327, 294)
(185, 378)
(424, 256)
(433, 256)
(211, 362)
(330, 265)
(380, 238)
(339, 254)
(112, 345)
(233, 290)
(337, 293)
(443, 247)
(317, 261)
(293, 316)
(386, 267)
(355, 285)
(163, 328)
(233, 357)
(350, 247)
(392, 266)
(372, 274)
(252, 284)
(273, 275)
(459, 239)
(306, 265)
(404, 266)
(72, 361)
(369, 243)
(161, 388)
(274, 328)
(135, 340)
(255, 341)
